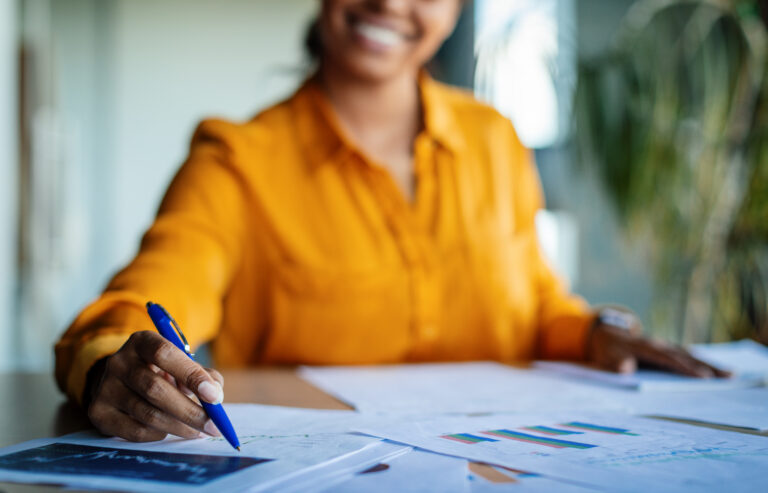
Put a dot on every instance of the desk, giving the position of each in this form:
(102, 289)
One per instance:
(33, 407)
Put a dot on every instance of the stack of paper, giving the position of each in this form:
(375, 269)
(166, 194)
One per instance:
(649, 380)
(437, 388)
(747, 360)
(605, 451)
(467, 427)
(417, 471)
(282, 447)
(504, 479)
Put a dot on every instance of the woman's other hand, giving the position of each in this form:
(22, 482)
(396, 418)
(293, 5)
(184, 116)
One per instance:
(621, 349)
(148, 389)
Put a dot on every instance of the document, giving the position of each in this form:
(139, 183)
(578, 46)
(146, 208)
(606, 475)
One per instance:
(280, 446)
(417, 471)
(453, 388)
(505, 480)
(745, 358)
(743, 408)
(649, 380)
(607, 451)
(491, 387)
(373, 458)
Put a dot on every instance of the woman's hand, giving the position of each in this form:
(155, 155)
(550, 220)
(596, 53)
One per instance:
(146, 391)
(620, 350)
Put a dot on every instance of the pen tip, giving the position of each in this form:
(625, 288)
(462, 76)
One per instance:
(238, 449)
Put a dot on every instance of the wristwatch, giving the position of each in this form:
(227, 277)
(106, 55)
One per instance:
(615, 318)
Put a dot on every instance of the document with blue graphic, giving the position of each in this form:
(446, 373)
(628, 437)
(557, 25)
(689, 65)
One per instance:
(614, 452)
(280, 447)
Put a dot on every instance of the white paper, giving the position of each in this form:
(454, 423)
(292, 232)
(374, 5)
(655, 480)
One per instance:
(744, 408)
(414, 472)
(746, 358)
(298, 442)
(452, 388)
(649, 455)
(649, 380)
(525, 483)
(345, 469)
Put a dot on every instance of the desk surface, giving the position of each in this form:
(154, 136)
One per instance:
(32, 407)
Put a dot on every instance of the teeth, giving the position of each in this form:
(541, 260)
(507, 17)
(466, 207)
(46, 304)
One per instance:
(381, 35)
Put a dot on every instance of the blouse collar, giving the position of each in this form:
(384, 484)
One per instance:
(324, 141)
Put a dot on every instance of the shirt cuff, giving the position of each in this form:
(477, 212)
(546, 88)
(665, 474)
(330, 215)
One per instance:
(566, 337)
(91, 352)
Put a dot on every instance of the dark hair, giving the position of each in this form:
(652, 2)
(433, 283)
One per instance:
(313, 43)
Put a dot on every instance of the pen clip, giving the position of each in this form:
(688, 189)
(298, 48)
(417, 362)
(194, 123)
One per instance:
(178, 330)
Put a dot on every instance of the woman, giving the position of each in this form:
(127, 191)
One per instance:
(374, 217)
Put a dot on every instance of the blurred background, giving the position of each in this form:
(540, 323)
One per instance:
(648, 119)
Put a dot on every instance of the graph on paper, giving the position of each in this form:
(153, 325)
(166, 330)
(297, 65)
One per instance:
(615, 452)
(537, 440)
(597, 428)
(467, 438)
(66, 458)
(545, 436)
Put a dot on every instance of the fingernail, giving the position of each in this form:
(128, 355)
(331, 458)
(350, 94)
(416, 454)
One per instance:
(211, 429)
(210, 392)
(627, 366)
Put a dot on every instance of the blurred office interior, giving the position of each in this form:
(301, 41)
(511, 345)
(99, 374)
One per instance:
(98, 100)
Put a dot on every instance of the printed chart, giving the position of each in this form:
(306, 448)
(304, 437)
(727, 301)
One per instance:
(68, 458)
(562, 429)
(596, 449)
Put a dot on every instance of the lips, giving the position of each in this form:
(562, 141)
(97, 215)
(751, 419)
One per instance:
(376, 32)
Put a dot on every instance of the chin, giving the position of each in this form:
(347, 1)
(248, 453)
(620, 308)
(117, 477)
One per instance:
(371, 68)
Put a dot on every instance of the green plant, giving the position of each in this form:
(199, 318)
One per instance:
(674, 122)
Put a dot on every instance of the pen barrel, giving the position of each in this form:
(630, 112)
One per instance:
(167, 328)
(220, 419)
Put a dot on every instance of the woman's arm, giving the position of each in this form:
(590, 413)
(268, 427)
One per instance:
(568, 328)
(186, 262)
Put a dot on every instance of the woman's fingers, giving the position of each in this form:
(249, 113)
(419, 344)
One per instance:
(617, 359)
(719, 372)
(164, 396)
(715, 371)
(619, 350)
(113, 422)
(609, 350)
(670, 358)
(141, 394)
(155, 350)
(142, 411)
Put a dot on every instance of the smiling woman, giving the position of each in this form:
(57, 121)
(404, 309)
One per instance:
(372, 44)
(376, 216)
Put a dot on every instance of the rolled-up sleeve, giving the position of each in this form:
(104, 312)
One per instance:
(185, 262)
(563, 319)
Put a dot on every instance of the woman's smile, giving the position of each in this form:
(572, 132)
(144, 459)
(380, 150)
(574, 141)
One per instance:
(377, 33)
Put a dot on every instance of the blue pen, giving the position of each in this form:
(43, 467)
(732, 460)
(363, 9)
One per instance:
(169, 329)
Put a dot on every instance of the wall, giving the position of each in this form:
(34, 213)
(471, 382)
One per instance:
(611, 267)
(8, 176)
(132, 78)
(177, 61)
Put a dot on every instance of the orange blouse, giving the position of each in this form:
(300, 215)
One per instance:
(280, 242)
